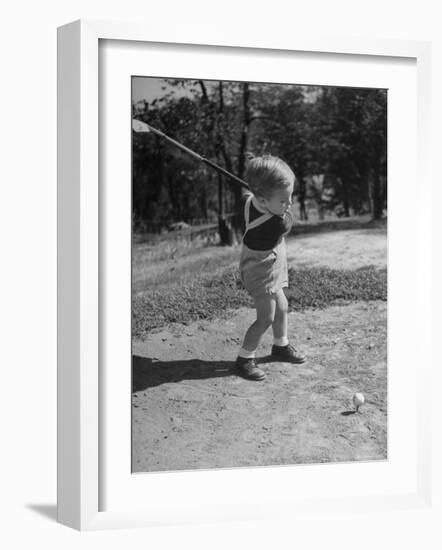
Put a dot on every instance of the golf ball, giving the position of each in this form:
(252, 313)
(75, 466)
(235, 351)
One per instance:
(358, 399)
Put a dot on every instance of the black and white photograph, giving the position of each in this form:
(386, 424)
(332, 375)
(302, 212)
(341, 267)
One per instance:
(259, 274)
(221, 276)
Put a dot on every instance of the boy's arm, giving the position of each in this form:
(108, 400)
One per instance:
(288, 220)
(239, 213)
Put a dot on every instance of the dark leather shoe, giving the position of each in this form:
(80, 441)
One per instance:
(249, 369)
(288, 354)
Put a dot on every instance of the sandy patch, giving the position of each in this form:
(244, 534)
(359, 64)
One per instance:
(347, 249)
(190, 410)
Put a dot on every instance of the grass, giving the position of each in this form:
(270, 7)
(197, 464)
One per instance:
(168, 249)
(149, 272)
(209, 297)
(167, 259)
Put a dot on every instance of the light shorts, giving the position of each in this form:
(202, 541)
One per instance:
(264, 271)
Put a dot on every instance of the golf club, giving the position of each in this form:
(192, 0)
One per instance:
(142, 127)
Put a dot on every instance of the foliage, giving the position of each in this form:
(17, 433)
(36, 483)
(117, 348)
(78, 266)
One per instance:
(336, 134)
(208, 297)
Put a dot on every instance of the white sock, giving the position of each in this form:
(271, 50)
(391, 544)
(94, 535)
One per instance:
(283, 341)
(246, 354)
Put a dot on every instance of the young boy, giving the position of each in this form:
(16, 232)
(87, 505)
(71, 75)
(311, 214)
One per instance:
(263, 262)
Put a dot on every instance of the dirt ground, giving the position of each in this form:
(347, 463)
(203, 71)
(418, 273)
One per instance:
(347, 249)
(191, 411)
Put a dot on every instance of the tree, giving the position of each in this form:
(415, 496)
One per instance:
(339, 133)
(350, 131)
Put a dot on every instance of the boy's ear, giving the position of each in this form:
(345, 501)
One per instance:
(261, 201)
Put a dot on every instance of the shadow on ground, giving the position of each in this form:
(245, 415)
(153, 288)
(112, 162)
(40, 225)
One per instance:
(49, 511)
(149, 373)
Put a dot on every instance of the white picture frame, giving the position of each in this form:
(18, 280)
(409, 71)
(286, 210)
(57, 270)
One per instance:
(79, 291)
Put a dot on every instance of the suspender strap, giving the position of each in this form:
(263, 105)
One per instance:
(247, 211)
(257, 221)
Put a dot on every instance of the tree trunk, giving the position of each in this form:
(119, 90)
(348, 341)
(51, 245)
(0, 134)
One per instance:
(384, 192)
(203, 201)
(239, 191)
(301, 199)
(346, 199)
(377, 195)
(224, 227)
(368, 192)
(225, 232)
(220, 196)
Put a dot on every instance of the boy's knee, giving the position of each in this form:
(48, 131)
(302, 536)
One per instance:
(282, 305)
(265, 322)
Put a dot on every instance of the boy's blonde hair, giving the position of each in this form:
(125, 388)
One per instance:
(267, 174)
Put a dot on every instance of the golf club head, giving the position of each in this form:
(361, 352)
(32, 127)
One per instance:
(139, 126)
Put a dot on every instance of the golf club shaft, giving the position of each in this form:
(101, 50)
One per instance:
(234, 178)
(221, 170)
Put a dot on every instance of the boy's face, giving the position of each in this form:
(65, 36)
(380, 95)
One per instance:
(279, 202)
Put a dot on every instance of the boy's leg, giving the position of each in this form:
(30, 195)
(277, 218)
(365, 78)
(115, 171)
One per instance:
(281, 348)
(279, 325)
(265, 316)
